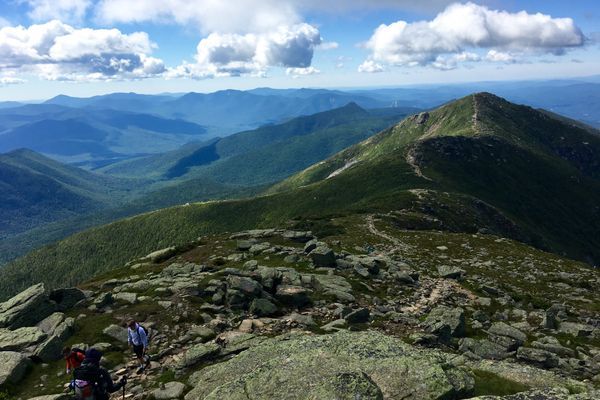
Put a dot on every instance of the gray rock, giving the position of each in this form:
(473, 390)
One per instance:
(126, 297)
(26, 308)
(448, 272)
(483, 348)
(301, 319)
(116, 332)
(103, 299)
(551, 344)
(293, 296)
(500, 331)
(537, 356)
(445, 322)
(244, 245)
(310, 246)
(323, 256)
(358, 316)
(576, 329)
(171, 390)
(263, 308)
(51, 348)
(344, 365)
(200, 353)
(20, 338)
(66, 299)
(161, 255)
(13, 366)
(203, 332)
(335, 325)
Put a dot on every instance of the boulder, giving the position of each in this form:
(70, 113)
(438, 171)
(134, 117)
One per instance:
(445, 322)
(244, 245)
(200, 353)
(344, 365)
(170, 390)
(293, 296)
(551, 344)
(51, 348)
(116, 332)
(576, 329)
(26, 308)
(13, 366)
(161, 255)
(335, 325)
(301, 319)
(66, 299)
(263, 308)
(539, 357)
(482, 348)
(448, 272)
(358, 316)
(507, 336)
(21, 338)
(323, 256)
(126, 297)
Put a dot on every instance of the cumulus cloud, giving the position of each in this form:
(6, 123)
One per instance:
(299, 72)
(58, 51)
(230, 54)
(64, 10)
(329, 46)
(370, 66)
(452, 35)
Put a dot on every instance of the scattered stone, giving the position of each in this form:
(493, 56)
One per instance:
(358, 316)
(170, 390)
(448, 272)
(323, 256)
(161, 255)
(336, 325)
(537, 356)
(301, 319)
(445, 322)
(482, 348)
(126, 297)
(116, 332)
(293, 296)
(263, 308)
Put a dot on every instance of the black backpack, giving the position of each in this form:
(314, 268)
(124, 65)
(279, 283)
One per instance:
(87, 381)
(145, 331)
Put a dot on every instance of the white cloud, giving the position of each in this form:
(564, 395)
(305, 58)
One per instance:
(499, 56)
(443, 41)
(231, 16)
(370, 66)
(329, 46)
(65, 10)
(10, 80)
(298, 72)
(58, 51)
(4, 22)
(229, 54)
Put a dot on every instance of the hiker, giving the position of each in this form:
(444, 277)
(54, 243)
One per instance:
(93, 382)
(138, 339)
(74, 357)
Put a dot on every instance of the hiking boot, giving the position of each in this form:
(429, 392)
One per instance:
(147, 361)
(140, 370)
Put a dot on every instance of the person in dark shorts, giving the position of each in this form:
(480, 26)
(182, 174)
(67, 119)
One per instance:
(138, 339)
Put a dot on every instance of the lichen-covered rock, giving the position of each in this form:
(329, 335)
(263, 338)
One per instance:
(323, 256)
(171, 390)
(345, 365)
(200, 353)
(21, 338)
(537, 356)
(26, 308)
(482, 348)
(13, 366)
(66, 298)
(293, 296)
(448, 272)
(445, 322)
(116, 332)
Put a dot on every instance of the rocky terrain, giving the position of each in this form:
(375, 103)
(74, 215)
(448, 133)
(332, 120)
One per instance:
(369, 312)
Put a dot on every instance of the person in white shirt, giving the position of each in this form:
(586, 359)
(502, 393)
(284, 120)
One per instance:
(138, 339)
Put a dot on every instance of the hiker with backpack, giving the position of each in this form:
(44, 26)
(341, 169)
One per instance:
(73, 357)
(93, 382)
(137, 337)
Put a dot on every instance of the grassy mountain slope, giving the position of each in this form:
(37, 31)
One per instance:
(37, 190)
(477, 164)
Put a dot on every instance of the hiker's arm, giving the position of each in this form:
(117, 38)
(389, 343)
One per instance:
(144, 339)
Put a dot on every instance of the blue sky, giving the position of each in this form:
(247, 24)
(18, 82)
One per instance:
(87, 47)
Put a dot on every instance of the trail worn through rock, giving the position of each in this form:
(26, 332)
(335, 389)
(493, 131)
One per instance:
(398, 244)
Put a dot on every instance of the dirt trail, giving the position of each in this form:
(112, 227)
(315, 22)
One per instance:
(399, 246)
(433, 292)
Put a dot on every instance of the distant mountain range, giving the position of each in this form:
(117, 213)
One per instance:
(476, 165)
(238, 165)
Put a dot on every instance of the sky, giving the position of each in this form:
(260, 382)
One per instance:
(89, 47)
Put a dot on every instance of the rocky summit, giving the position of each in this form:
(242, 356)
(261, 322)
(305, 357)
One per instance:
(367, 313)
